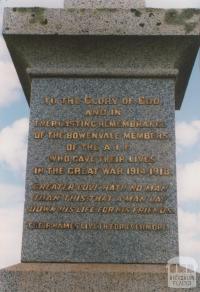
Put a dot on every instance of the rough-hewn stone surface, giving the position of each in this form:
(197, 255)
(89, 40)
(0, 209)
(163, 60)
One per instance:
(102, 21)
(87, 278)
(125, 4)
(103, 42)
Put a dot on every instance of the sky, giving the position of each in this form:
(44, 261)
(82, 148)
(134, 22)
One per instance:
(14, 116)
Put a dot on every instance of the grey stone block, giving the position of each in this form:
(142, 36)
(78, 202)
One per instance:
(107, 246)
(103, 42)
(87, 278)
(125, 4)
(102, 21)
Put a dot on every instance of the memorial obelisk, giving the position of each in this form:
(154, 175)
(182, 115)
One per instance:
(103, 80)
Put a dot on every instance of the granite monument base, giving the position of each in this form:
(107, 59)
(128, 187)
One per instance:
(36, 277)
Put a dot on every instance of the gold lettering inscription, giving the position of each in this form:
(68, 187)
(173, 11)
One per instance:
(50, 100)
(101, 187)
(103, 159)
(146, 136)
(82, 171)
(142, 199)
(160, 171)
(38, 170)
(100, 101)
(84, 135)
(87, 198)
(103, 210)
(108, 157)
(64, 187)
(99, 123)
(103, 112)
(89, 100)
(141, 159)
(46, 198)
(148, 101)
(157, 199)
(39, 135)
(90, 147)
(76, 159)
(119, 171)
(155, 171)
(107, 135)
(97, 226)
(111, 171)
(55, 170)
(107, 147)
(70, 101)
(149, 171)
(98, 198)
(49, 170)
(71, 147)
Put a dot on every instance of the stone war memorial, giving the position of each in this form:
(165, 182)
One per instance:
(103, 80)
